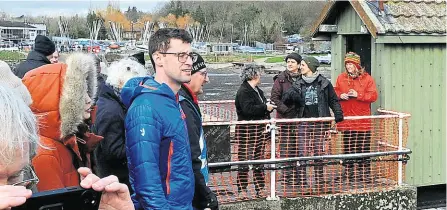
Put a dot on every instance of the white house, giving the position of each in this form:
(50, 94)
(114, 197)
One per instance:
(20, 31)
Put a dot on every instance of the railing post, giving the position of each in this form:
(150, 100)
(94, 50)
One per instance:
(399, 166)
(273, 157)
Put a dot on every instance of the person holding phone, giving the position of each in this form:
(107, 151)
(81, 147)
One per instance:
(357, 90)
(18, 142)
(251, 104)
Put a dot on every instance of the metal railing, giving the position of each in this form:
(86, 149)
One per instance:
(302, 157)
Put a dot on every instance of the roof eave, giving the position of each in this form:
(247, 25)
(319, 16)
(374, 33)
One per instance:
(323, 15)
(361, 11)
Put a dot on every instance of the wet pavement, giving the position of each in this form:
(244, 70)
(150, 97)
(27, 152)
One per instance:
(224, 84)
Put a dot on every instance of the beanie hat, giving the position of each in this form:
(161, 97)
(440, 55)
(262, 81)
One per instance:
(198, 64)
(140, 58)
(294, 56)
(44, 45)
(312, 63)
(8, 79)
(353, 58)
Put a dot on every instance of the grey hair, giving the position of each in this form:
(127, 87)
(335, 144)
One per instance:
(249, 72)
(19, 127)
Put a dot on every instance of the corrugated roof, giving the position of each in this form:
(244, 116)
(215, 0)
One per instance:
(411, 16)
(14, 24)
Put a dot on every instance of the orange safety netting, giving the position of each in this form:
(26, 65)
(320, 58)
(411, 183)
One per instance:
(333, 172)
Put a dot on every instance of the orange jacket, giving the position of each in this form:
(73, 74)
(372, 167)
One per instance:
(58, 92)
(360, 106)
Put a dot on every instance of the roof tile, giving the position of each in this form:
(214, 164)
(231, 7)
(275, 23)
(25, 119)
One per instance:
(414, 16)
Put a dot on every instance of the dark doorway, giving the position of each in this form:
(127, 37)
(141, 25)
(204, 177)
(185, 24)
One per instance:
(360, 44)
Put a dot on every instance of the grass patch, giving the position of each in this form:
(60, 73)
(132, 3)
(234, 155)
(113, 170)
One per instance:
(277, 59)
(11, 56)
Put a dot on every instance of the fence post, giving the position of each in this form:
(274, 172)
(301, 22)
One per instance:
(273, 157)
(399, 166)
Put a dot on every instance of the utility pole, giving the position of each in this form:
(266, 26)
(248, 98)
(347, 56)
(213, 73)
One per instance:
(131, 25)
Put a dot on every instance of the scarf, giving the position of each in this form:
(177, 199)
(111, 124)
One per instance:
(311, 78)
(294, 74)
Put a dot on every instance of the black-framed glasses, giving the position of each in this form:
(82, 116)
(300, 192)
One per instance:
(28, 183)
(183, 57)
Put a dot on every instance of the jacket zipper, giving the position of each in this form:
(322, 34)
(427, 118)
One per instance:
(171, 150)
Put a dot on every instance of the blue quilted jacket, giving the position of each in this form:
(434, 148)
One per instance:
(157, 146)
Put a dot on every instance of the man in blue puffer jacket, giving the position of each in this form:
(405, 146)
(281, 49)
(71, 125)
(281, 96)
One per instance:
(157, 144)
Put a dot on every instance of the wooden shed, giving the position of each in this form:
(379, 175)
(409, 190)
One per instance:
(402, 44)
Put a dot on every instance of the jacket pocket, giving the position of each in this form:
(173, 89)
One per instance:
(168, 173)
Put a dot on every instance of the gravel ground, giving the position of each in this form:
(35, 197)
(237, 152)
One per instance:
(225, 82)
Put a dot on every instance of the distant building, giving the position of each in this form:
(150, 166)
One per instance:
(132, 35)
(20, 31)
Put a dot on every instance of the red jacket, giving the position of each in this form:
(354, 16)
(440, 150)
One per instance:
(360, 106)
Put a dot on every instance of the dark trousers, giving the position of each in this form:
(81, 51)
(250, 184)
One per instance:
(251, 140)
(311, 142)
(357, 142)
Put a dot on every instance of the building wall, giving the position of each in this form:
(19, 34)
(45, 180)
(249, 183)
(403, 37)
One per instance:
(338, 51)
(348, 21)
(411, 78)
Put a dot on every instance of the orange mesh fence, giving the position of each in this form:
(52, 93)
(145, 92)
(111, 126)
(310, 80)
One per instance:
(218, 111)
(311, 157)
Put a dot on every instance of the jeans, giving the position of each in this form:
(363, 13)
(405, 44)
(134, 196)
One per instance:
(357, 142)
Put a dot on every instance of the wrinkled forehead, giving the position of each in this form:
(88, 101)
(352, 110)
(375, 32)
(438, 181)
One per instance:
(177, 45)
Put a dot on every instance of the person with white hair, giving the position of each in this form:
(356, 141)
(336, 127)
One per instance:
(8, 79)
(18, 142)
(110, 154)
(251, 104)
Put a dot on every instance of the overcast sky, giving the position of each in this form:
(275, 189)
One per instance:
(64, 7)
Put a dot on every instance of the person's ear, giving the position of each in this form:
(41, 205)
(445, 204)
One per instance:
(157, 59)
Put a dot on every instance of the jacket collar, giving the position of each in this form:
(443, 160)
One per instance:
(36, 56)
(321, 80)
(185, 87)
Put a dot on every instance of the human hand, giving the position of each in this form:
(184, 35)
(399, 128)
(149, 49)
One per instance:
(352, 93)
(344, 96)
(114, 196)
(12, 196)
(270, 107)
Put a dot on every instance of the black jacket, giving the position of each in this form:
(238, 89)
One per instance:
(248, 104)
(327, 98)
(34, 60)
(203, 196)
(110, 154)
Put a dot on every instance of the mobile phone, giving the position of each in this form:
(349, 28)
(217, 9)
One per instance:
(69, 198)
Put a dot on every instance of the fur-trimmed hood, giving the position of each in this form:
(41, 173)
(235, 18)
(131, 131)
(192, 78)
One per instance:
(58, 93)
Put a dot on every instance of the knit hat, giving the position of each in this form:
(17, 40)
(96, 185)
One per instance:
(294, 56)
(312, 63)
(8, 79)
(198, 65)
(353, 58)
(44, 45)
(140, 58)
